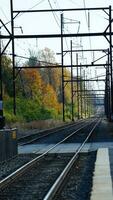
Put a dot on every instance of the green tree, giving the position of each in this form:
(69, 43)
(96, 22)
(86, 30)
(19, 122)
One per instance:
(7, 75)
(32, 58)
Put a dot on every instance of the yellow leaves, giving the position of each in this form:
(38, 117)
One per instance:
(37, 88)
(33, 82)
(67, 76)
(33, 76)
(50, 98)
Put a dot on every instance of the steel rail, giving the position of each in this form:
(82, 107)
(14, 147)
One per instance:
(53, 190)
(27, 166)
(70, 135)
(52, 129)
(52, 132)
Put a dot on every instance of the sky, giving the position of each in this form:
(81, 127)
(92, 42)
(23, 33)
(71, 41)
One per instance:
(37, 23)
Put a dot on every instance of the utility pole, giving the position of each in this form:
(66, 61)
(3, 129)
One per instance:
(77, 85)
(62, 62)
(108, 80)
(2, 118)
(13, 58)
(1, 95)
(72, 81)
(110, 46)
(81, 89)
(84, 95)
(87, 101)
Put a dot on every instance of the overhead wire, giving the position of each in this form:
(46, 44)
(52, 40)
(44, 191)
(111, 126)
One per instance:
(28, 9)
(56, 19)
(4, 13)
(33, 59)
(66, 28)
(39, 2)
(36, 4)
(56, 3)
(54, 15)
(88, 26)
(74, 2)
(84, 3)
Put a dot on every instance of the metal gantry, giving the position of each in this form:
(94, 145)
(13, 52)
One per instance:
(11, 36)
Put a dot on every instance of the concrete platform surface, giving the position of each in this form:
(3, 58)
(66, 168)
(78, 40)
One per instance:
(63, 148)
(102, 180)
(102, 188)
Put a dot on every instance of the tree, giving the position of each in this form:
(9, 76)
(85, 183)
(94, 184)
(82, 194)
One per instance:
(32, 58)
(50, 100)
(32, 83)
(7, 75)
(47, 56)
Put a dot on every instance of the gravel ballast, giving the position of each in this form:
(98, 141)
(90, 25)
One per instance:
(37, 182)
(78, 184)
(6, 168)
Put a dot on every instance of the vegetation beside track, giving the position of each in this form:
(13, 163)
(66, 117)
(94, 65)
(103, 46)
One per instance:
(38, 91)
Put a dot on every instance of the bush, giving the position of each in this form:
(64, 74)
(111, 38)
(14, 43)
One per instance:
(27, 110)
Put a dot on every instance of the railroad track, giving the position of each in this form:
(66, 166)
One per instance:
(43, 134)
(30, 178)
(55, 187)
(38, 135)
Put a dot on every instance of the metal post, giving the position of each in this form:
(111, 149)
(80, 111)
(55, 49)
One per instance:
(81, 90)
(13, 58)
(77, 85)
(72, 81)
(2, 118)
(84, 94)
(109, 87)
(107, 93)
(86, 97)
(110, 39)
(108, 81)
(89, 101)
(1, 93)
(62, 61)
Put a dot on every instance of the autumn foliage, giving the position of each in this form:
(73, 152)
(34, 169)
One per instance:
(38, 90)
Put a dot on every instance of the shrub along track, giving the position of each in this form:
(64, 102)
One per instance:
(31, 138)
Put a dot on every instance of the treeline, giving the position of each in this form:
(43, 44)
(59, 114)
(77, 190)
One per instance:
(38, 91)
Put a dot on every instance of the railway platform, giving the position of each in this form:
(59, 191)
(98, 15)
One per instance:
(103, 170)
(103, 175)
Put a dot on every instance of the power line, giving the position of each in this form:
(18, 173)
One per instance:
(87, 22)
(4, 13)
(37, 4)
(28, 9)
(74, 2)
(56, 3)
(55, 16)
(33, 59)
